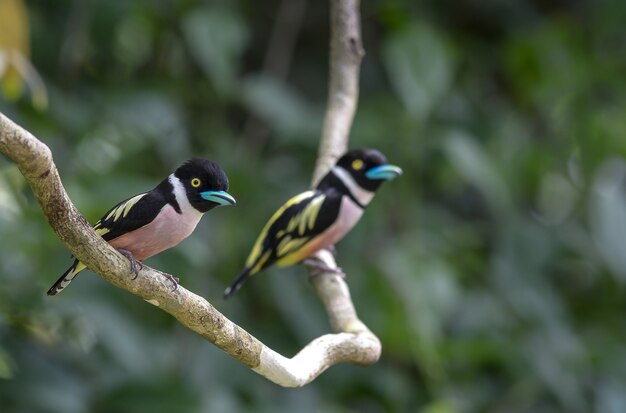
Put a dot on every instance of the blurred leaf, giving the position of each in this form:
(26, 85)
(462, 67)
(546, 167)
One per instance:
(156, 397)
(9, 205)
(12, 83)
(134, 40)
(15, 68)
(608, 215)
(610, 397)
(280, 105)
(440, 406)
(35, 83)
(419, 66)
(137, 121)
(14, 26)
(474, 165)
(556, 367)
(557, 198)
(548, 66)
(427, 291)
(6, 365)
(216, 38)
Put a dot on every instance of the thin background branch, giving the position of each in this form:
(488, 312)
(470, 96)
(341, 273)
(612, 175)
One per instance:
(277, 62)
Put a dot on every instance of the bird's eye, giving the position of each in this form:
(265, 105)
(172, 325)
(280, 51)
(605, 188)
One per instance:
(357, 164)
(195, 182)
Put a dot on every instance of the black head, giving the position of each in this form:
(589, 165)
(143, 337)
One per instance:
(368, 168)
(205, 184)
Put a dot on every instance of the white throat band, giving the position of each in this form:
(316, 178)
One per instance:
(362, 195)
(181, 196)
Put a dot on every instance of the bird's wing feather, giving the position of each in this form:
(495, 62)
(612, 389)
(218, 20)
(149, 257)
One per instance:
(129, 215)
(292, 226)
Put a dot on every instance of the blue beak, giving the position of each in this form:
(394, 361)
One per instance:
(219, 197)
(383, 172)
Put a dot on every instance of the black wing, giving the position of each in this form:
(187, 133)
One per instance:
(296, 223)
(129, 215)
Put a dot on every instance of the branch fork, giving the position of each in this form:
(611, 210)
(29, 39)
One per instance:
(352, 341)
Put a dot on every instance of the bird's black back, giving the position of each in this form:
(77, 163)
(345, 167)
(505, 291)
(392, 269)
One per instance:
(144, 211)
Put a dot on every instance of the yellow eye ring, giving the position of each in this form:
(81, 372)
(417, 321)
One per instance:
(357, 164)
(195, 182)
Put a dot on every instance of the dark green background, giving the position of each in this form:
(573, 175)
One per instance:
(493, 271)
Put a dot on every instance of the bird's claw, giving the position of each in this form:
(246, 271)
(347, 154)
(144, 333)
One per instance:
(136, 266)
(133, 262)
(133, 267)
(318, 267)
(174, 280)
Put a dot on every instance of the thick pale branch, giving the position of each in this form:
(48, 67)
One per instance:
(317, 356)
(354, 342)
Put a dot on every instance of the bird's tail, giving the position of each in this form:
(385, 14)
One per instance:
(66, 278)
(236, 285)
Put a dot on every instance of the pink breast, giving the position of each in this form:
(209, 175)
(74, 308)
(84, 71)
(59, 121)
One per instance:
(349, 215)
(167, 230)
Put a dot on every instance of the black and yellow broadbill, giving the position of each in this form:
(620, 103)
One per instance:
(151, 222)
(317, 219)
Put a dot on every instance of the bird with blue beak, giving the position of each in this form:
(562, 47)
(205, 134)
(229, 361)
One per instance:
(151, 222)
(317, 219)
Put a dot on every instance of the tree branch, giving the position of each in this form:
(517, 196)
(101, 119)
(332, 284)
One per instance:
(354, 343)
(346, 53)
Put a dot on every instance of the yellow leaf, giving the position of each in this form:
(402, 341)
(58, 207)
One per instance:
(16, 71)
(14, 26)
(12, 84)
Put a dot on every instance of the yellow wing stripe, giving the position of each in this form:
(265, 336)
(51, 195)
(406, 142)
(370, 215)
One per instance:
(131, 203)
(102, 231)
(281, 246)
(110, 214)
(288, 245)
(305, 219)
(293, 223)
(309, 215)
(124, 208)
(121, 210)
(258, 245)
(259, 264)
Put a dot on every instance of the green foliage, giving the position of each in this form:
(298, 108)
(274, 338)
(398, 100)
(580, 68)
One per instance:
(493, 271)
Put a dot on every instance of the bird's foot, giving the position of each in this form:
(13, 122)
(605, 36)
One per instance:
(318, 267)
(174, 280)
(133, 262)
(332, 249)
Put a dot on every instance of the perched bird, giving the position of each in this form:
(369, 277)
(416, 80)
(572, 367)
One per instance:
(317, 219)
(146, 224)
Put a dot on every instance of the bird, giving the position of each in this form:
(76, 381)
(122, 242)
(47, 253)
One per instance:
(146, 224)
(318, 218)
